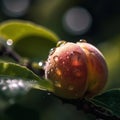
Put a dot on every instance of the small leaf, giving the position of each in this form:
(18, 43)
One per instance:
(17, 71)
(109, 100)
(29, 39)
(16, 81)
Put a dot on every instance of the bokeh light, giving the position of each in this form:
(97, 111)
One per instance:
(15, 8)
(77, 20)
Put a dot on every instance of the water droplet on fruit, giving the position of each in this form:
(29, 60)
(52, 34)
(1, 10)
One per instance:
(92, 53)
(62, 42)
(77, 72)
(83, 40)
(50, 64)
(56, 58)
(48, 72)
(67, 53)
(67, 57)
(58, 71)
(57, 84)
(51, 51)
(70, 87)
(75, 59)
(51, 70)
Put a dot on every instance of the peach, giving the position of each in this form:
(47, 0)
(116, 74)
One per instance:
(76, 70)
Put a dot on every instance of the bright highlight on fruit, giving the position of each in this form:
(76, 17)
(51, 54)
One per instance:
(76, 70)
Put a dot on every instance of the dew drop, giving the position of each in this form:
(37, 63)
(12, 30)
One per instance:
(57, 84)
(48, 72)
(52, 51)
(58, 72)
(51, 70)
(92, 53)
(40, 64)
(83, 41)
(9, 42)
(62, 42)
(4, 88)
(48, 93)
(67, 57)
(75, 59)
(50, 64)
(56, 58)
(63, 62)
(70, 87)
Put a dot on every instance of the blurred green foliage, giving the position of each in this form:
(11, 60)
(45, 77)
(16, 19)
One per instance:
(104, 33)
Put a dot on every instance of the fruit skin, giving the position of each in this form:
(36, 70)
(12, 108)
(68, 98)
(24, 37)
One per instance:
(76, 70)
(66, 67)
(97, 69)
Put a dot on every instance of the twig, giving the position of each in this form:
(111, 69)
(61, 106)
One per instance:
(7, 51)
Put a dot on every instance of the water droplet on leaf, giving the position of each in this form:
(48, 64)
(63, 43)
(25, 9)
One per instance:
(9, 42)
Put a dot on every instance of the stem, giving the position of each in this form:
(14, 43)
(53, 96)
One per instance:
(7, 51)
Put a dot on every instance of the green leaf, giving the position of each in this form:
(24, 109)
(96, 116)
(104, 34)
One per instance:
(29, 39)
(109, 100)
(16, 81)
